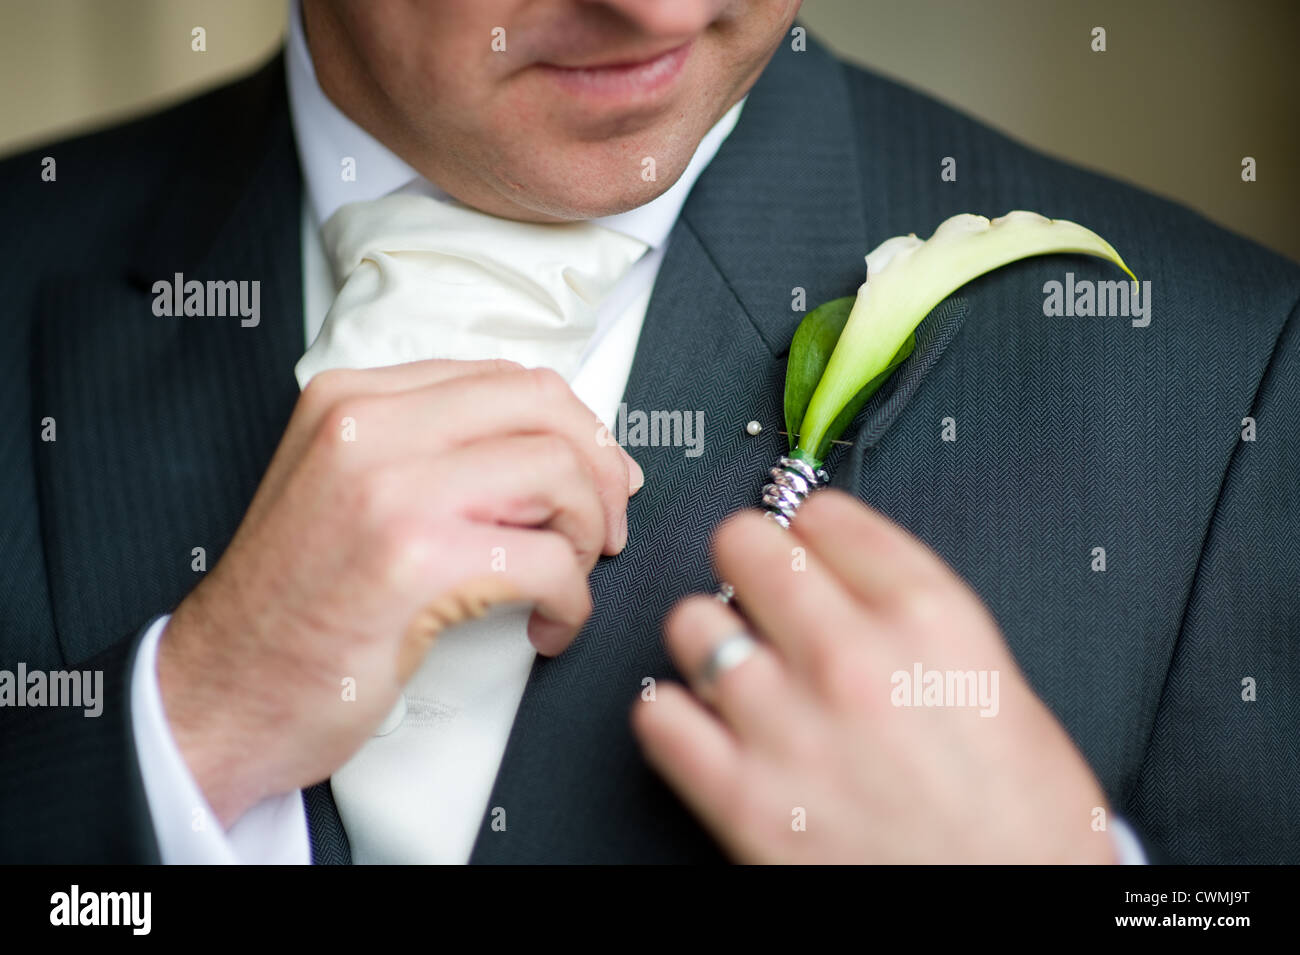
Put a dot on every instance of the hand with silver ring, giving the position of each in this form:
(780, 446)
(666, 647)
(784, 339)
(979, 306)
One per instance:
(813, 734)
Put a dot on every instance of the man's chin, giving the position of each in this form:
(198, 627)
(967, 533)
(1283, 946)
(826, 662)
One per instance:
(594, 189)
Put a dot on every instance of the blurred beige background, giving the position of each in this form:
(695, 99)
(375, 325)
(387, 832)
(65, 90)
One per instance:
(1185, 89)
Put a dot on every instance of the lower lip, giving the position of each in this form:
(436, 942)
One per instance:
(623, 81)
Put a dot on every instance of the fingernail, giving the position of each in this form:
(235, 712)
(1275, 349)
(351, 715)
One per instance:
(635, 476)
(622, 531)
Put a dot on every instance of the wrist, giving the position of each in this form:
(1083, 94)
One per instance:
(205, 705)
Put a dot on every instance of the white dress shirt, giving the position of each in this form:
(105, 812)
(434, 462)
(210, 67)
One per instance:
(275, 830)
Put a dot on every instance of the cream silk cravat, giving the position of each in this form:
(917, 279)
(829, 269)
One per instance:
(422, 278)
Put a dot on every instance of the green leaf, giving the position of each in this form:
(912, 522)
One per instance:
(810, 351)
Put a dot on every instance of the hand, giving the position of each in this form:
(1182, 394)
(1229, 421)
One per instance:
(812, 728)
(400, 501)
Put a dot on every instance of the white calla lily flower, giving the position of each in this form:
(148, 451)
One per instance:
(908, 277)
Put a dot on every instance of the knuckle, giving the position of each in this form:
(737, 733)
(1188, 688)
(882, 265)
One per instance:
(501, 365)
(325, 387)
(917, 608)
(783, 585)
(562, 564)
(555, 553)
(549, 385)
(556, 454)
(336, 427)
(326, 440)
(370, 497)
(831, 662)
(408, 553)
(849, 682)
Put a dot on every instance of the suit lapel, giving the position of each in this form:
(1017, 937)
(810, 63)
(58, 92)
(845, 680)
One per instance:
(781, 207)
(165, 425)
(933, 336)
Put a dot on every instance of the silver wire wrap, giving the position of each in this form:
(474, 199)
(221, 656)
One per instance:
(792, 481)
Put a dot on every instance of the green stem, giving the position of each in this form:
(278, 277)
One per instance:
(807, 457)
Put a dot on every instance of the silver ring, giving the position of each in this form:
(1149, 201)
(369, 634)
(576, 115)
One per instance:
(727, 654)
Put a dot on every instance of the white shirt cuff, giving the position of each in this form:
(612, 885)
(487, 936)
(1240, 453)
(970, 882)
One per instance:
(1126, 843)
(273, 832)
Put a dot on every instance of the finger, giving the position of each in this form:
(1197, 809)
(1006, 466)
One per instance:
(784, 591)
(880, 563)
(542, 569)
(507, 566)
(419, 545)
(471, 408)
(328, 388)
(755, 697)
(692, 750)
(338, 384)
(541, 401)
(529, 481)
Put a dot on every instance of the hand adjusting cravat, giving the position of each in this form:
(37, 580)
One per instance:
(423, 278)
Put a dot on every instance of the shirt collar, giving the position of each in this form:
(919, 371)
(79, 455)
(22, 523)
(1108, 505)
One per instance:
(325, 137)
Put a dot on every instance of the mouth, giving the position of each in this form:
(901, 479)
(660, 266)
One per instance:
(639, 79)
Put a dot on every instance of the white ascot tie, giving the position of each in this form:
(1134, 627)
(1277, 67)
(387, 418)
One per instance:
(423, 278)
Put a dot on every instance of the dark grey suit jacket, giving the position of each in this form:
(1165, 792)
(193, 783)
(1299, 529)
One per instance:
(1072, 433)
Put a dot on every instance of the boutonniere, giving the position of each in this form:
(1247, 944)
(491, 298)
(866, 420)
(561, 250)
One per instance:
(844, 350)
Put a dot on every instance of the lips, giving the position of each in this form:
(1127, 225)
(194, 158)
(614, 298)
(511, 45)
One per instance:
(642, 77)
